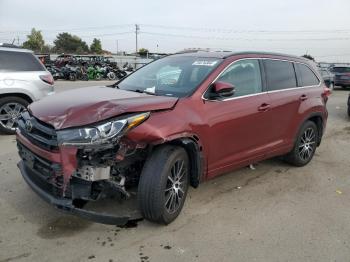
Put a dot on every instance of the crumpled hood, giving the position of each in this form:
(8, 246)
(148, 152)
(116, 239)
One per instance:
(89, 105)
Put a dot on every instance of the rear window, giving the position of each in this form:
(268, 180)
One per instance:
(19, 61)
(307, 77)
(279, 75)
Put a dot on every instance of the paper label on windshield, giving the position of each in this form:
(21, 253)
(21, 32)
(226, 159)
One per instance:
(204, 63)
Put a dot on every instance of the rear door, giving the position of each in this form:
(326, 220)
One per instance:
(286, 96)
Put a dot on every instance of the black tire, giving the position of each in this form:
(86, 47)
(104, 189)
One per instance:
(296, 157)
(72, 77)
(11, 101)
(155, 186)
(349, 111)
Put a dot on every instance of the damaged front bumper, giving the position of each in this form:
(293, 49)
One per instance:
(48, 173)
(34, 180)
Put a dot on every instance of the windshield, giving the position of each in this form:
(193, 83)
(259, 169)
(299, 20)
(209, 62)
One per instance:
(175, 76)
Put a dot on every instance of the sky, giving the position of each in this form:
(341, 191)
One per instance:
(319, 28)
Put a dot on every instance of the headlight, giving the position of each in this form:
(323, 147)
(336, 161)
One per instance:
(100, 134)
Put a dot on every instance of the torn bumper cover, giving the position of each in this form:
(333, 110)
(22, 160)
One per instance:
(35, 181)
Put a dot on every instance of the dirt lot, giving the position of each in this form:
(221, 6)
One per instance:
(274, 213)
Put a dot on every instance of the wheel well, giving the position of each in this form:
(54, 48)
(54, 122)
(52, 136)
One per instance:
(21, 95)
(319, 123)
(194, 152)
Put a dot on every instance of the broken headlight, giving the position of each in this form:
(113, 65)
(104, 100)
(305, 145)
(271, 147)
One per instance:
(100, 134)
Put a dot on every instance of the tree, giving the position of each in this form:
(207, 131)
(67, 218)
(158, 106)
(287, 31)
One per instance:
(309, 57)
(143, 51)
(96, 46)
(67, 43)
(35, 41)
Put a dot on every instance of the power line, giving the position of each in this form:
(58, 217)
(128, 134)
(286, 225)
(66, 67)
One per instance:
(69, 29)
(246, 39)
(225, 30)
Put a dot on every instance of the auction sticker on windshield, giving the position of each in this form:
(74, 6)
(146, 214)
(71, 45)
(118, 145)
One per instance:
(204, 63)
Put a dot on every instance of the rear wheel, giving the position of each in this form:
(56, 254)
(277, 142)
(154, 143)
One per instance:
(163, 184)
(349, 111)
(10, 109)
(305, 145)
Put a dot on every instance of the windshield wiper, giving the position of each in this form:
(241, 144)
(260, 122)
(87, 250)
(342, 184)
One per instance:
(144, 92)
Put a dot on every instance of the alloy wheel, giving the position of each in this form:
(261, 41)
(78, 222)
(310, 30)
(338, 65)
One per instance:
(307, 144)
(176, 186)
(9, 113)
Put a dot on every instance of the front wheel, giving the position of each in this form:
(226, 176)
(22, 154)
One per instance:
(349, 111)
(305, 145)
(163, 184)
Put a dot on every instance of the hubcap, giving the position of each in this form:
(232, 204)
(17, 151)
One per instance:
(9, 113)
(175, 187)
(307, 144)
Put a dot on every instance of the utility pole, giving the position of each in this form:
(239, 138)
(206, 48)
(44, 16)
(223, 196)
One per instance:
(137, 28)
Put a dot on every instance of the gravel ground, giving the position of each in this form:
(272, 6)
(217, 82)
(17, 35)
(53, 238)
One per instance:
(274, 213)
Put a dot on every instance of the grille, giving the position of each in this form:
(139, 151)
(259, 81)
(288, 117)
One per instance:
(37, 132)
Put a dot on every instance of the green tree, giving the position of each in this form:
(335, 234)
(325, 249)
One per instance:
(143, 51)
(309, 57)
(67, 43)
(35, 41)
(96, 46)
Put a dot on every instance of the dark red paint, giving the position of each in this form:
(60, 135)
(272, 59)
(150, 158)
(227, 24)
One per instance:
(231, 134)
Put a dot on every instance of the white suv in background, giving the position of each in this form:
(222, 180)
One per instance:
(23, 79)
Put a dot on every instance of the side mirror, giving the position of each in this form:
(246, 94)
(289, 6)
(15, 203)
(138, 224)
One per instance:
(223, 89)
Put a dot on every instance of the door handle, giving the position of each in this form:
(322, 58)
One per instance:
(264, 107)
(303, 97)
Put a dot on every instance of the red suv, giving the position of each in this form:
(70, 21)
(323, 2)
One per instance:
(172, 124)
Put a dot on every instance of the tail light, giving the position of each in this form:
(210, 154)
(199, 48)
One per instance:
(326, 93)
(47, 79)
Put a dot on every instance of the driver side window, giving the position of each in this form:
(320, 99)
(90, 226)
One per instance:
(245, 76)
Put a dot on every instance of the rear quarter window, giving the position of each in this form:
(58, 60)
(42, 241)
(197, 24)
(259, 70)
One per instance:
(19, 61)
(279, 75)
(306, 76)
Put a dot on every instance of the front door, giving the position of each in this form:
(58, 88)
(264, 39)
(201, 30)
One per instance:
(237, 126)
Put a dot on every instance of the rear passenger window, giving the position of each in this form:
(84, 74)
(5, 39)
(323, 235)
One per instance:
(245, 76)
(19, 61)
(307, 77)
(279, 75)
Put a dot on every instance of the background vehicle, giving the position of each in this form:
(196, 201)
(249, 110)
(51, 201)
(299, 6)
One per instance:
(171, 124)
(341, 76)
(328, 77)
(349, 106)
(23, 79)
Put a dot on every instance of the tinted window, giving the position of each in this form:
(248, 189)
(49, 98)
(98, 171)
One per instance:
(307, 77)
(279, 75)
(245, 76)
(341, 69)
(19, 61)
